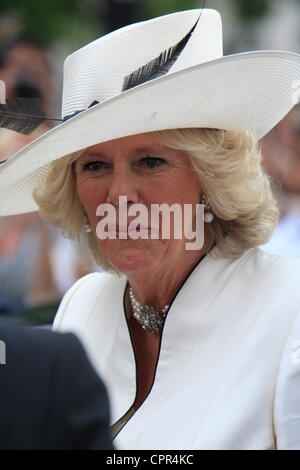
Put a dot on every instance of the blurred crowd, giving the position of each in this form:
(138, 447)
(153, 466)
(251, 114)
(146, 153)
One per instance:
(37, 264)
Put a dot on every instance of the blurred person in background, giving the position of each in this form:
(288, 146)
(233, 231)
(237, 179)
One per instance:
(281, 151)
(26, 278)
(25, 68)
(25, 273)
(37, 265)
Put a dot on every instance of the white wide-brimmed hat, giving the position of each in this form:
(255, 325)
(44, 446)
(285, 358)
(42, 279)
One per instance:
(165, 73)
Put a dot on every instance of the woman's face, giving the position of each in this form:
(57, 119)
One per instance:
(146, 173)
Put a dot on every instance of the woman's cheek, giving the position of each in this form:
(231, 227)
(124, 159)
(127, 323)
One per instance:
(89, 194)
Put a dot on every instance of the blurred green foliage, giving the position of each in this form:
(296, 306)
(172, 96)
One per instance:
(152, 8)
(39, 315)
(248, 10)
(83, 20)
(53, 19)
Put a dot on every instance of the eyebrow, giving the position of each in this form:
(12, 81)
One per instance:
(137, 151)
(151, 148)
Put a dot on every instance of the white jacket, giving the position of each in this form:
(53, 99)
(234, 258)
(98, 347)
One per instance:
(228, 374)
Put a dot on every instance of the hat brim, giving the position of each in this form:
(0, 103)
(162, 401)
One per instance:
(247, 90)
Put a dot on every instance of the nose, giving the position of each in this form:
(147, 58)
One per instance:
(123, 183)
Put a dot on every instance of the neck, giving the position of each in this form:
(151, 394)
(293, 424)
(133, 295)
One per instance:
(158, 288)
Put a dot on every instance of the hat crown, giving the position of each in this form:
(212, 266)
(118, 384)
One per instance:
(97, 70)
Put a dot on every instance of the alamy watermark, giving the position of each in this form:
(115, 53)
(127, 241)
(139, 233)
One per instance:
(161, 221)
(2, 352)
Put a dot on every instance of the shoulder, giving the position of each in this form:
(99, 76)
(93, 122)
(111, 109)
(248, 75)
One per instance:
(287, 401)
(20, 336)
(61, 365)
(260, 274)
(263, 286)
(276, 281)
(273, 281)
(269, 268)
(83, 293)
(32, 353)
(262, 260)
(26, 342)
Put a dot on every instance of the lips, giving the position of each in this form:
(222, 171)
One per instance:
(124, 229)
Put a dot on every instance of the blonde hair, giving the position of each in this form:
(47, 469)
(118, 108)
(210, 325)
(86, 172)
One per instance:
(228, 164)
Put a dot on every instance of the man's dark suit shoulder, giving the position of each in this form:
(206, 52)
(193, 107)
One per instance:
(51, 397)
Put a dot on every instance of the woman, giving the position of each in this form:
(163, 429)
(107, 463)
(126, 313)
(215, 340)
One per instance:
(197, 345)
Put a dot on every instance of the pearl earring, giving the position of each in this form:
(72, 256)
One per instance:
(87, 226)
(208, 215)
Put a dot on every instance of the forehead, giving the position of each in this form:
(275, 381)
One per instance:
(129, 144)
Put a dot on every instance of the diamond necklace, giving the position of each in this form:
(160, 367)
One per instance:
(148, 317)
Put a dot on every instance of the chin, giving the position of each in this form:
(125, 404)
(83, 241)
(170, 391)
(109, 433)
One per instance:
(129, 260)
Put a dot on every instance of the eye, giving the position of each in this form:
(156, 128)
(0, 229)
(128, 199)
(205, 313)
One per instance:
(151, 162)
(94, 165)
